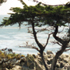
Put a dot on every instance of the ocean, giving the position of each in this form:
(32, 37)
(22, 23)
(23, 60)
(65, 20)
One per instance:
(12, 37)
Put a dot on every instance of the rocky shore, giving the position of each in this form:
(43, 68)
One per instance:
(12, 61)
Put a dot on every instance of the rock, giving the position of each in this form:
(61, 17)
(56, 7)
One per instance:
(22, 60)
(28, 62)
(66, 60)
(50, 56)
(13, 61)
(49, 66)
(17, 62)
(49, 52)
(17, 67)
(58, 65)
(6, 69)
(31, 66)
(38, 64)
(34, 62)
(34, 55)
(26, 68)
(63, 56)
(9, 66)
(49, 61)
(38, 54)
(40, 61)
(67, 56)
(38, 67)
(62, 64)
(66, 66)
(60, 59)
(59, 69)
(46, 57)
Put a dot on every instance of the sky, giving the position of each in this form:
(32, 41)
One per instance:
(4, 8)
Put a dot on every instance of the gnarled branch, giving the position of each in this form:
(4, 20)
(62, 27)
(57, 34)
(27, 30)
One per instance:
(35, 37)
(56, 37)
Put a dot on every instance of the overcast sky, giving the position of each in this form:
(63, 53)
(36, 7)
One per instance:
(4, 8)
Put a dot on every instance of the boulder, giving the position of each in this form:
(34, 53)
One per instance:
(17, 67)
(31, 66)
(46, 57)
(59, 69)
(34, 56)
(49, 52)
(38, 66)
(67, 66)
(62, 64)
(50, 56)
(58, 65)
(28, 62)
(49, 61)
(66, 60)
(22, 61)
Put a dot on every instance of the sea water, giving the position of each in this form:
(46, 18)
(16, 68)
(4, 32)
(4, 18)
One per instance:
(12, 37)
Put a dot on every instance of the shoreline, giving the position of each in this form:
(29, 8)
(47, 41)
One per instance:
(34, 62)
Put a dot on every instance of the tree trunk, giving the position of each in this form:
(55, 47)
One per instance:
(56, 57)
(44, 62)
(39, 45)
(64, 45)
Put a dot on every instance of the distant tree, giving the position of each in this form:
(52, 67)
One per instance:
(55, 16)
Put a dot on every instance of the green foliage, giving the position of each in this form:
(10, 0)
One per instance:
(10, 56)
(6, 60)
(17, 9)
(23, 3)
(51, 15)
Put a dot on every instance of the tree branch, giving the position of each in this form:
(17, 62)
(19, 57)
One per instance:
(23, 2)
(57, 38)
(35, 37)
(36, 49)
(47, 40)
(64, 46)
(57, 43)
(61, 31)
(39, 45)
(67, 50)
(56, 57)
